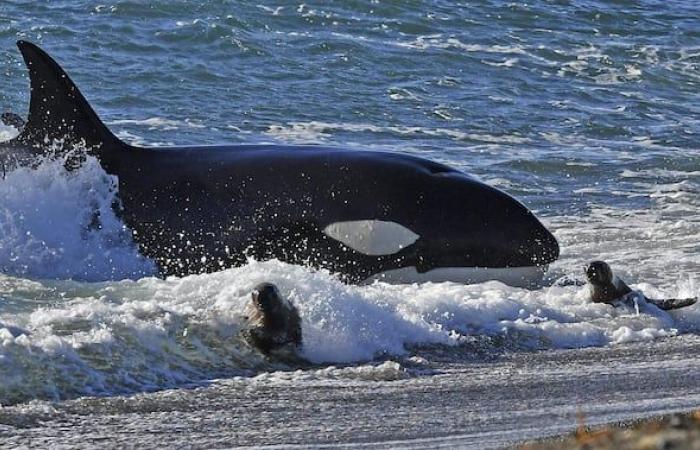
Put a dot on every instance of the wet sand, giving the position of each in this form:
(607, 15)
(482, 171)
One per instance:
(479, 402)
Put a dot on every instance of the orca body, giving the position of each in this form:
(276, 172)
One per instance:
(357, 213)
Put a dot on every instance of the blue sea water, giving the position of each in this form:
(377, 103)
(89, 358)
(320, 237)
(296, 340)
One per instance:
(587, 111)
(550, 96)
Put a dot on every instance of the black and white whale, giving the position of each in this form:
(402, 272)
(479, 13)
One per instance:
(363, 214)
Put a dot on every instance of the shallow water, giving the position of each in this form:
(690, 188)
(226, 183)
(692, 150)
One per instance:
(473, 403)
(586, 112)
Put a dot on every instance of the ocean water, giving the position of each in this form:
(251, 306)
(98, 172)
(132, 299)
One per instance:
(585, 111)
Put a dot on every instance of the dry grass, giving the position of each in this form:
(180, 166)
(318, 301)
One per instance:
(675, 431)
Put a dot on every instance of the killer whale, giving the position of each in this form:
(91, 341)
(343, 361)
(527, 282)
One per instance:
(362, 214)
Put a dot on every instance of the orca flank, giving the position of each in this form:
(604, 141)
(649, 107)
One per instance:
(362, 214)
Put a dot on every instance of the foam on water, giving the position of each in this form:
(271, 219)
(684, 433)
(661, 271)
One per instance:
(317, 132)
(61, 339)
(56, 223)
(151, 334)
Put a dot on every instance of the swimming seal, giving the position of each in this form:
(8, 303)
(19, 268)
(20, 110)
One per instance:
(272, 321)
(607, 288)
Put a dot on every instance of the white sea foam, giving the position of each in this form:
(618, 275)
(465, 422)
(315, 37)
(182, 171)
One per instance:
(153, 333)
(60, 339)
(159, 123)
(441, 42)
(384, 371)
(7, 132)
(509, 62)
(56, 223)
(315, 132)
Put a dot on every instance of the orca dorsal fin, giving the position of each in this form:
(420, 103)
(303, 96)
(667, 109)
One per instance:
(57, 109)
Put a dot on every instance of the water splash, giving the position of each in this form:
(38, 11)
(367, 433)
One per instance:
(56, 223)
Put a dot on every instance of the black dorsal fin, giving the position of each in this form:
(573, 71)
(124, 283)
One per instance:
(57, 109)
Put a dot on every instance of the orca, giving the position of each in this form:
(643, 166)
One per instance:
(365, 215)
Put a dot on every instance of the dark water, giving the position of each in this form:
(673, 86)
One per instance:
(499, 88)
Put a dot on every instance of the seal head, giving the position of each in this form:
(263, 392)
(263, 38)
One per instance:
(605, 287)
(599, 273)
(272, 321)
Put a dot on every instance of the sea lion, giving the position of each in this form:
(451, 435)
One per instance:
(607, 288)
(272, 322)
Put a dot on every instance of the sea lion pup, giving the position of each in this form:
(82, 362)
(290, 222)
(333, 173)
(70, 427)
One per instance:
(608, 288)
(272, 322)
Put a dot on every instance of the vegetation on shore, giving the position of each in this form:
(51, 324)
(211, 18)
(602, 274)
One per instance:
(674, 431)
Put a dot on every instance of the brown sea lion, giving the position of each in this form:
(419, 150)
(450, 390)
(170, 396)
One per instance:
(272, 322)
(607, 288)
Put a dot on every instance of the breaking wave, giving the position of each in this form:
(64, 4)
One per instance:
(56, 223)
(129, 336)
(92, 336)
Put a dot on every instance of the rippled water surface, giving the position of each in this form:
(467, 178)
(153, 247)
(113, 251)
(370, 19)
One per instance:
(586, 111)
